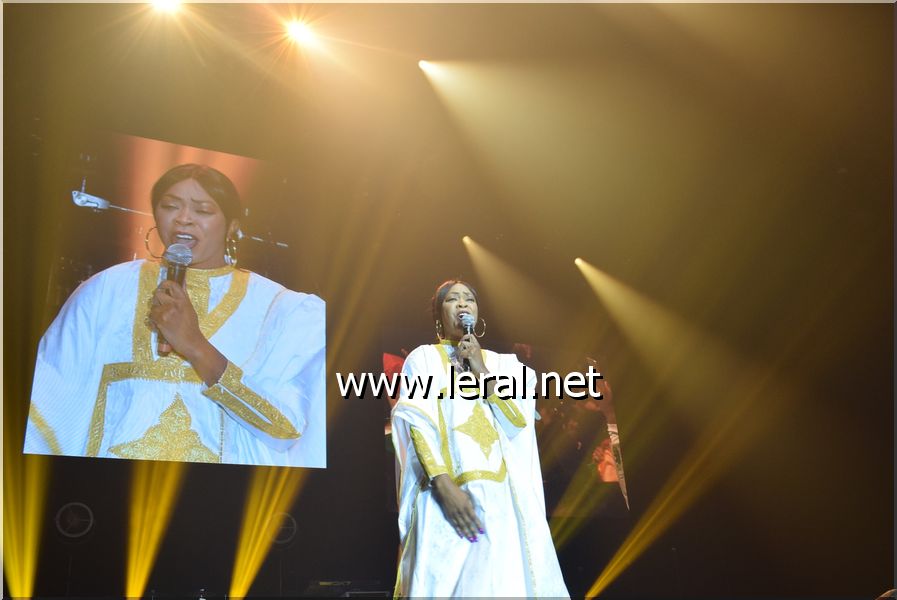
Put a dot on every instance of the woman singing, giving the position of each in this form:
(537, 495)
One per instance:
(237, 376)
(471, 505)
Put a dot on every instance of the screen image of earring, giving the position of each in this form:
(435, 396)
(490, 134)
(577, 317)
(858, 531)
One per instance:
(226, 364)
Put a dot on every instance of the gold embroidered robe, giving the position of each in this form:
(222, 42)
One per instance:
(488, 447)
(101, 389)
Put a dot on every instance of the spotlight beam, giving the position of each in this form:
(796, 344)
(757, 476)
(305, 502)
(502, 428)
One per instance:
(506, 286)
(272, 492)
(24, 493)
(728, 433)
(155, 487)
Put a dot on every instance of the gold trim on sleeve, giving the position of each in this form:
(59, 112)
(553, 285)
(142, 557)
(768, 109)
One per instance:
(508, 409)
(444, 438)
(44, 429)
(231, 393)
(425, 455)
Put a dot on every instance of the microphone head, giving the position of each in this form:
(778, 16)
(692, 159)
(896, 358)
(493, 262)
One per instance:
(468, 321)
(178, 254)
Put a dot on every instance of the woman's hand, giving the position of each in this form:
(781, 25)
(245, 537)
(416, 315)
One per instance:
(469, 348)
(175, 319)
(457, 507)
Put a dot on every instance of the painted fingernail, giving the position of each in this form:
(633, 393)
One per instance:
(481, 530)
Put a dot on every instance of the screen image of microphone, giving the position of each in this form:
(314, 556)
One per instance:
(177, 258)
(468, 322)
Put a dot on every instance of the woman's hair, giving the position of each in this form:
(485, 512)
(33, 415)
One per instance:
(442, 291)
(214, 182)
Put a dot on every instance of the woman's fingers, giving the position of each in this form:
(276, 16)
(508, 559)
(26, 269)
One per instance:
(465, 523)
(173, 289)
(468, 520)
(468, 346)
(458, 509)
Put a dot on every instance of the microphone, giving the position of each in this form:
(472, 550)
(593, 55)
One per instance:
(468, 322)
(177, 258)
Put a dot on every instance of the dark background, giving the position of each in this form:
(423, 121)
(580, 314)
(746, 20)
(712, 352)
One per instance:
(732, 163)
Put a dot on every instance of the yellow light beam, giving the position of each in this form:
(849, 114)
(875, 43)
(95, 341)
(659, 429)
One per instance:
(508, 292)
(272, 492)
(154, 489)
(24, 494)
(750, 404)
(581, 497)
(691, 368)
(708, 380)
(721, 443)
(689, 364)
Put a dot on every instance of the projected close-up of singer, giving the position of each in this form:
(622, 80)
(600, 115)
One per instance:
(142, 361)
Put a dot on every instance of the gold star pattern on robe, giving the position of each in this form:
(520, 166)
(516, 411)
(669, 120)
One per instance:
(170, 439)
(479, 429)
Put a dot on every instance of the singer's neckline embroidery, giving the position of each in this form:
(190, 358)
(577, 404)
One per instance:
(209, 323)
(171, 369)
(205, 274)
(199, 274)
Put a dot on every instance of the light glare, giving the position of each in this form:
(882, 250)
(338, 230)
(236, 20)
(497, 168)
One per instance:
(169, 6)
(301, 33)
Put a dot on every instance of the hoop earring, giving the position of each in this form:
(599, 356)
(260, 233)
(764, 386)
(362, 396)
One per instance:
(479, 335)
(230, 252)
(440, 333)
(146, 241)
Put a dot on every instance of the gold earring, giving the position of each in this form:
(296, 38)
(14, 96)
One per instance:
(146, 241)
(230, 251)
(440, 333)
(479, 335)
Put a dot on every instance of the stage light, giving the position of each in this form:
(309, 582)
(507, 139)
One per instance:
(301, 33)
(717, 389)
(466, 239)
(578, 262)
(433, 69)
(169, 6)
(154, 489)
(25, 480)
(271, 494)
(505, 285)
